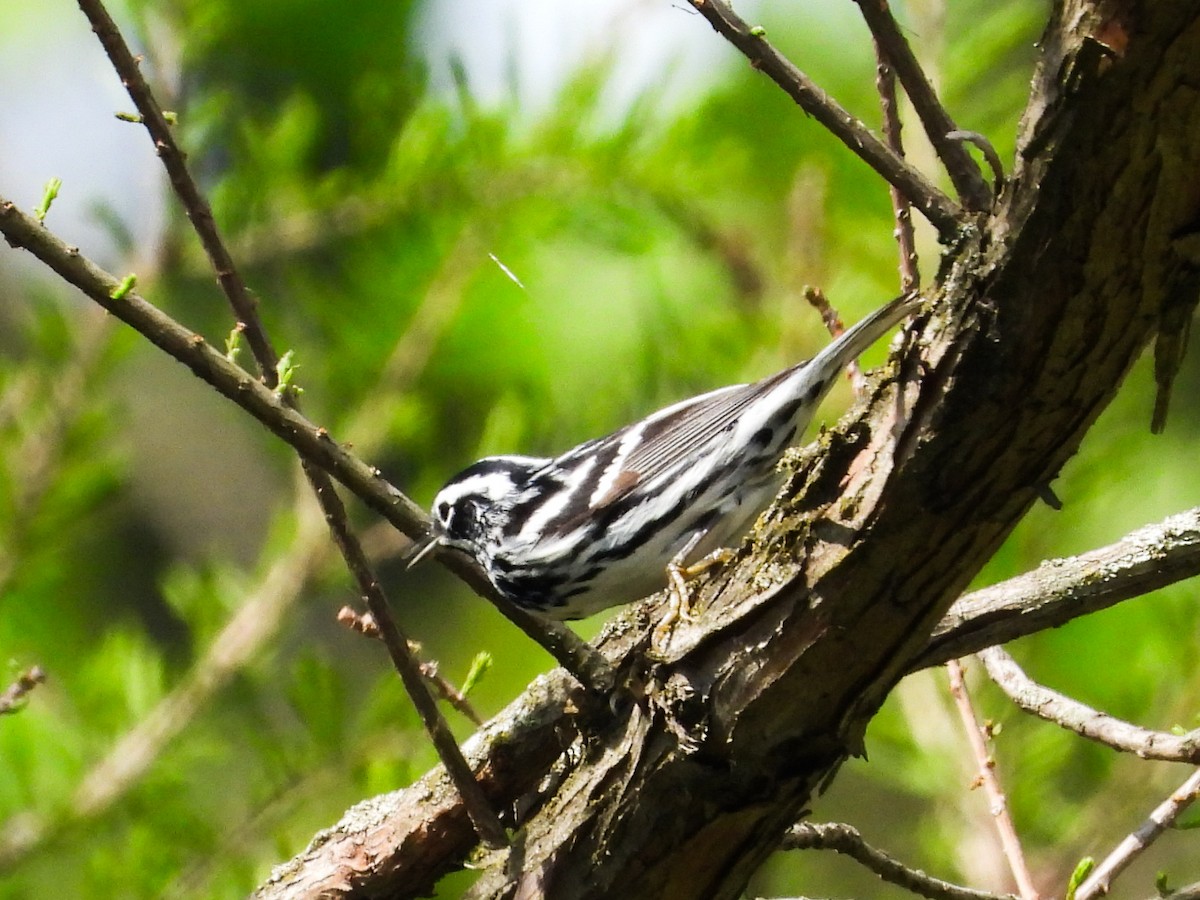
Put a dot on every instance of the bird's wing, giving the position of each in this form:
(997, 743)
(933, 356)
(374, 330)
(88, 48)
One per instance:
(648, 448)
(601, 473)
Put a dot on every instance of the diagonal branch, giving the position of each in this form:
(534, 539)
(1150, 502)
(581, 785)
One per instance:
(933, 204)
(174, 160)
(885, 86)
(12, 698)
(211, 366)
(1010, 842)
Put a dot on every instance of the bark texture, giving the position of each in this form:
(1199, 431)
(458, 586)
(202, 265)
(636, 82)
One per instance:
(1042, 306)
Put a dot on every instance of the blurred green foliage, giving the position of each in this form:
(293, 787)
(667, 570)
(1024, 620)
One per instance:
(659, 252)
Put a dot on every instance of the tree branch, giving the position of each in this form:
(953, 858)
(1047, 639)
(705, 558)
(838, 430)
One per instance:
(933, 204)
(1187, 892)
(847, 840)
(1060, 590)
(1082, 719)
(1057, 592)
(194, 204)
(885, 85)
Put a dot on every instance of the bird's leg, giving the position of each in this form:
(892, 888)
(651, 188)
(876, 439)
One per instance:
(678, 575)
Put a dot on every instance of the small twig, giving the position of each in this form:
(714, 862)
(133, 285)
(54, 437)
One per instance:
(833, 323)
(885, 84)
(938, 125)
(1164, 815)
(847, 840)
(364, 624)
(829, 317)
(1082, 719)
(988, 151)
(933, 204)
(1187, 892)
(447, 690)
(13, 698)
(997, 802)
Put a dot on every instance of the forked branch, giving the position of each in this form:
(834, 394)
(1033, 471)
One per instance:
(937, 122)
(752, 42)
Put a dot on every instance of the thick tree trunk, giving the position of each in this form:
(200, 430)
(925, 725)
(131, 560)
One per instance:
(1042, 307)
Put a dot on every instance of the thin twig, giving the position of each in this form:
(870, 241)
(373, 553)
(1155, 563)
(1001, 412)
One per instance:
(13, 697)
(185, 187)
(847, 840)
(482, 815)
(1187, 892)
(963, 172)
(1098, 883)
(989, 154)
(933, 204)
(833, 324)
(448, 691)
(1082, 719)
(997, 802)
(364, 624)
(885, 85)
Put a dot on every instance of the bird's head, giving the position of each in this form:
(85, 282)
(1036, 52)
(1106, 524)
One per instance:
(468, 510)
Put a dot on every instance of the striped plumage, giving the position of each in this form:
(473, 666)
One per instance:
(597, 526)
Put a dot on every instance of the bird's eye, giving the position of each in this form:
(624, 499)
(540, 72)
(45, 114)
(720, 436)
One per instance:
(443, 512)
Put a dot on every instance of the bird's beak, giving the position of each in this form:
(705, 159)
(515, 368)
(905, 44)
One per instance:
(421, 548)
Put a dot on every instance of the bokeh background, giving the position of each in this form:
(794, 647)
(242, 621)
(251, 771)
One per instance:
(657, 208)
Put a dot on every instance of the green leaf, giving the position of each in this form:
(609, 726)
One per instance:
(1082, 869)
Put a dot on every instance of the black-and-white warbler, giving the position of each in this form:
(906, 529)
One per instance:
(620, 517)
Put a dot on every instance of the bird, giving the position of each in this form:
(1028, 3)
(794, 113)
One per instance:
(650, 505)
